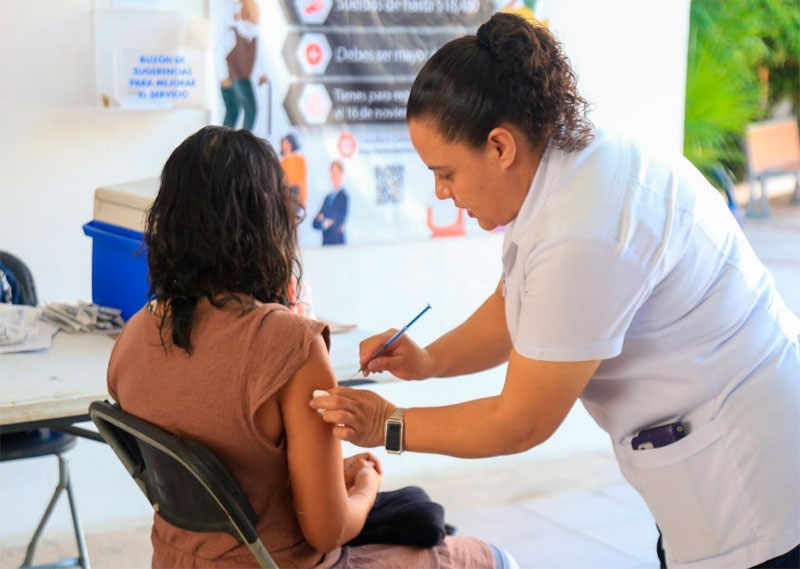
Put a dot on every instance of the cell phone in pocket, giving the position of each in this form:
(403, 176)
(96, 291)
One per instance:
(659, 436)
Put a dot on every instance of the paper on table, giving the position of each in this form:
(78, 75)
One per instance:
(83, 318)
(38, 335)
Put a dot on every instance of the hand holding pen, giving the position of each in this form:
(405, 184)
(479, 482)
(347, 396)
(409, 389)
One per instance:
(359, 415)
(394, 352)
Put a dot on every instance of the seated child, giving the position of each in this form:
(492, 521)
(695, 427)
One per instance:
(218, 357)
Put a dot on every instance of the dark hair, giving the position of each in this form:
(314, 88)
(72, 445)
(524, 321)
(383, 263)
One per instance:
(513, 71)
(223, 226)
(293, 143)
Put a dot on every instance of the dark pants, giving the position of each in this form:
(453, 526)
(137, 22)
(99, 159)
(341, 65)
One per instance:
(789, 560)
(237, 96)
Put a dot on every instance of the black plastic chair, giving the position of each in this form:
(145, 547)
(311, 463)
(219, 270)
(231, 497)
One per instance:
(184, 481)
(27, 290)
(42, 442)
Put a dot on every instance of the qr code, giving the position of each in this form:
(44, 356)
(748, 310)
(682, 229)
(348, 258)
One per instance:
(389, 184)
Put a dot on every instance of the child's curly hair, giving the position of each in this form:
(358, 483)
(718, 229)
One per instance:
(512, 71)
(223, 227)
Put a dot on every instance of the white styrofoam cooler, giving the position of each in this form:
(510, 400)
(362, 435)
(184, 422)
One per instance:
(125, 205)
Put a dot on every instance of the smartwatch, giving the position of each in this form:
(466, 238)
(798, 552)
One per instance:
(394, 432)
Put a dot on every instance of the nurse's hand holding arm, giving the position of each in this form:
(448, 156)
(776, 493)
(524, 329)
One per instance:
(536, 397)
(481, 342)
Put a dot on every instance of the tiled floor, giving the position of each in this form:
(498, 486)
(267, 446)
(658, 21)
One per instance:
(572, 513)
(596, 521)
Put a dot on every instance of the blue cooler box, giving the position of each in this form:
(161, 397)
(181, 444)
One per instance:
(119, 260)
(119, 267)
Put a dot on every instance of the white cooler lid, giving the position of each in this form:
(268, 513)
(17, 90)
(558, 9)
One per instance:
(126, 204)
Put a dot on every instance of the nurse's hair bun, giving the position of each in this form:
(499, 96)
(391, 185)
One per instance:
(484, 34)
(508, 37)
(513, 71)
(522, 49)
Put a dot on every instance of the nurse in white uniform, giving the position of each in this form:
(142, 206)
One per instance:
(626, 284)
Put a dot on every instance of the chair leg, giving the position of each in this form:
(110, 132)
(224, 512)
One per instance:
(46, 516)
(751, 210)
(63, 484)
(758, 205)
(83, 556)
(765, 209)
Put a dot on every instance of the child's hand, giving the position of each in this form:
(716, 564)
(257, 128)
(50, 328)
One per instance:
(368, 479)
(352, 465)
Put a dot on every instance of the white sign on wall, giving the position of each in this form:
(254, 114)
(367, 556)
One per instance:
(149, 58)
(163, 79)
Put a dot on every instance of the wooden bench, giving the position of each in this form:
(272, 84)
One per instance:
(773, 149)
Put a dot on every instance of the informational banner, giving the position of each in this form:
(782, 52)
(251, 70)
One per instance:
(338, 75)
(358, 53)
(309, 104)
(383, 13)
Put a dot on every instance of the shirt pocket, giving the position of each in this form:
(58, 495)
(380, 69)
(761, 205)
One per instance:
(693, 493)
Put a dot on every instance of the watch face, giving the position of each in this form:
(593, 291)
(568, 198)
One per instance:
(394, 435)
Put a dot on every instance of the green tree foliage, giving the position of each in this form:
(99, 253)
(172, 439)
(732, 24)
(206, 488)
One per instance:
(733, 46)
(781, 33)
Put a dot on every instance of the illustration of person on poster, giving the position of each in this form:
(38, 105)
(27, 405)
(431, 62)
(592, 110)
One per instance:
(333, 214)
(241, 49)
(294, 167)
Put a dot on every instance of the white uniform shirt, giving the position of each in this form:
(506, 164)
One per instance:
(638, 262)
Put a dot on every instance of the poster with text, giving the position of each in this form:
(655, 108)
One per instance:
(326, 82)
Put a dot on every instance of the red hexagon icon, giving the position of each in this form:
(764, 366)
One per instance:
(346, 144)
(313, 53)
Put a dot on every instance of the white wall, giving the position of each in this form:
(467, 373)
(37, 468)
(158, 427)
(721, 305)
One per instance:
(56, 146)
(630, 56)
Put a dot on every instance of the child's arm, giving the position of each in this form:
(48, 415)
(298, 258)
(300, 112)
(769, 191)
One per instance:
(328, 516)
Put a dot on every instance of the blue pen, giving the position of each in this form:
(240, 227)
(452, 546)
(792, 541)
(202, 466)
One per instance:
(390, 341)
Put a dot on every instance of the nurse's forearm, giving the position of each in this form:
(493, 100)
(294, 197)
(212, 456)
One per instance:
(480, 343)
(475, 429)
(536, 397)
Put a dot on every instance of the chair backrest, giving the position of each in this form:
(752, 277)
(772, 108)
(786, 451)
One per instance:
(773, 146)
(27, 290)
(186, 484)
